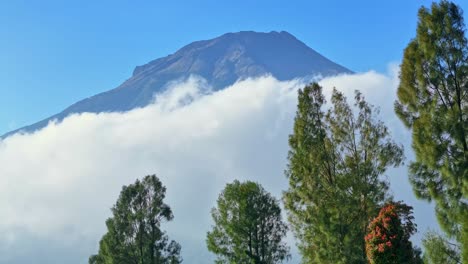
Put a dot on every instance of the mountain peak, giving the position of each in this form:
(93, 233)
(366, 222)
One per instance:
(249, 33)
(221, 61)
(243, 54)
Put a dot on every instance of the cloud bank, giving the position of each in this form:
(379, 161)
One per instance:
(57, 184)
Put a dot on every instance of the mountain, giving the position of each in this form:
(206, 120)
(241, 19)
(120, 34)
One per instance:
(221, 61)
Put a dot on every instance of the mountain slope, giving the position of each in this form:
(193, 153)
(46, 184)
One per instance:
(221, 61)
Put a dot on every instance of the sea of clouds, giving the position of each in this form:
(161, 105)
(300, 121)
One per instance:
(57, 185)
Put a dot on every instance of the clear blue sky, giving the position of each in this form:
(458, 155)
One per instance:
(54, 53)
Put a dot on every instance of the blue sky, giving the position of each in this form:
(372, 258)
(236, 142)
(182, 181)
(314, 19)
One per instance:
(54, 53)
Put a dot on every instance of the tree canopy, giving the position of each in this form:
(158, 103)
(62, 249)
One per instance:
(248, 226)
(336, 161)
(433, 103)
(133, 232)
(437, 250)
(388, 237)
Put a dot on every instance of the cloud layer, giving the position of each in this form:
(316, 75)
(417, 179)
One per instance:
(57, 185)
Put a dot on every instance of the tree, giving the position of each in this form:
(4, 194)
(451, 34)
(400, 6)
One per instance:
(387, 240)
(247, 226)
(133, 232)
(433, 103)
(438, 250)
(336, 160)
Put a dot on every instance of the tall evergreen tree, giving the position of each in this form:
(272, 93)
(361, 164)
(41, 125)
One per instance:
(247, 226)
(133, 232)
(336, 161)
(433, 103)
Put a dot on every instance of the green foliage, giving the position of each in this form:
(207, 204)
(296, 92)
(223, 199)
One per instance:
(336, 159)
(133, 232)
(433, 103)
(248, 226)
(439, 250)
(387, 240)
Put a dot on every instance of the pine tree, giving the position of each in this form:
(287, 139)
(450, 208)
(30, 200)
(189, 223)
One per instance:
(133, 232)
(433, 103)
(247, 226)
(336, 161)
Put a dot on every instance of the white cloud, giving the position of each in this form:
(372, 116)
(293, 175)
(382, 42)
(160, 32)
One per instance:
(57, 185)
